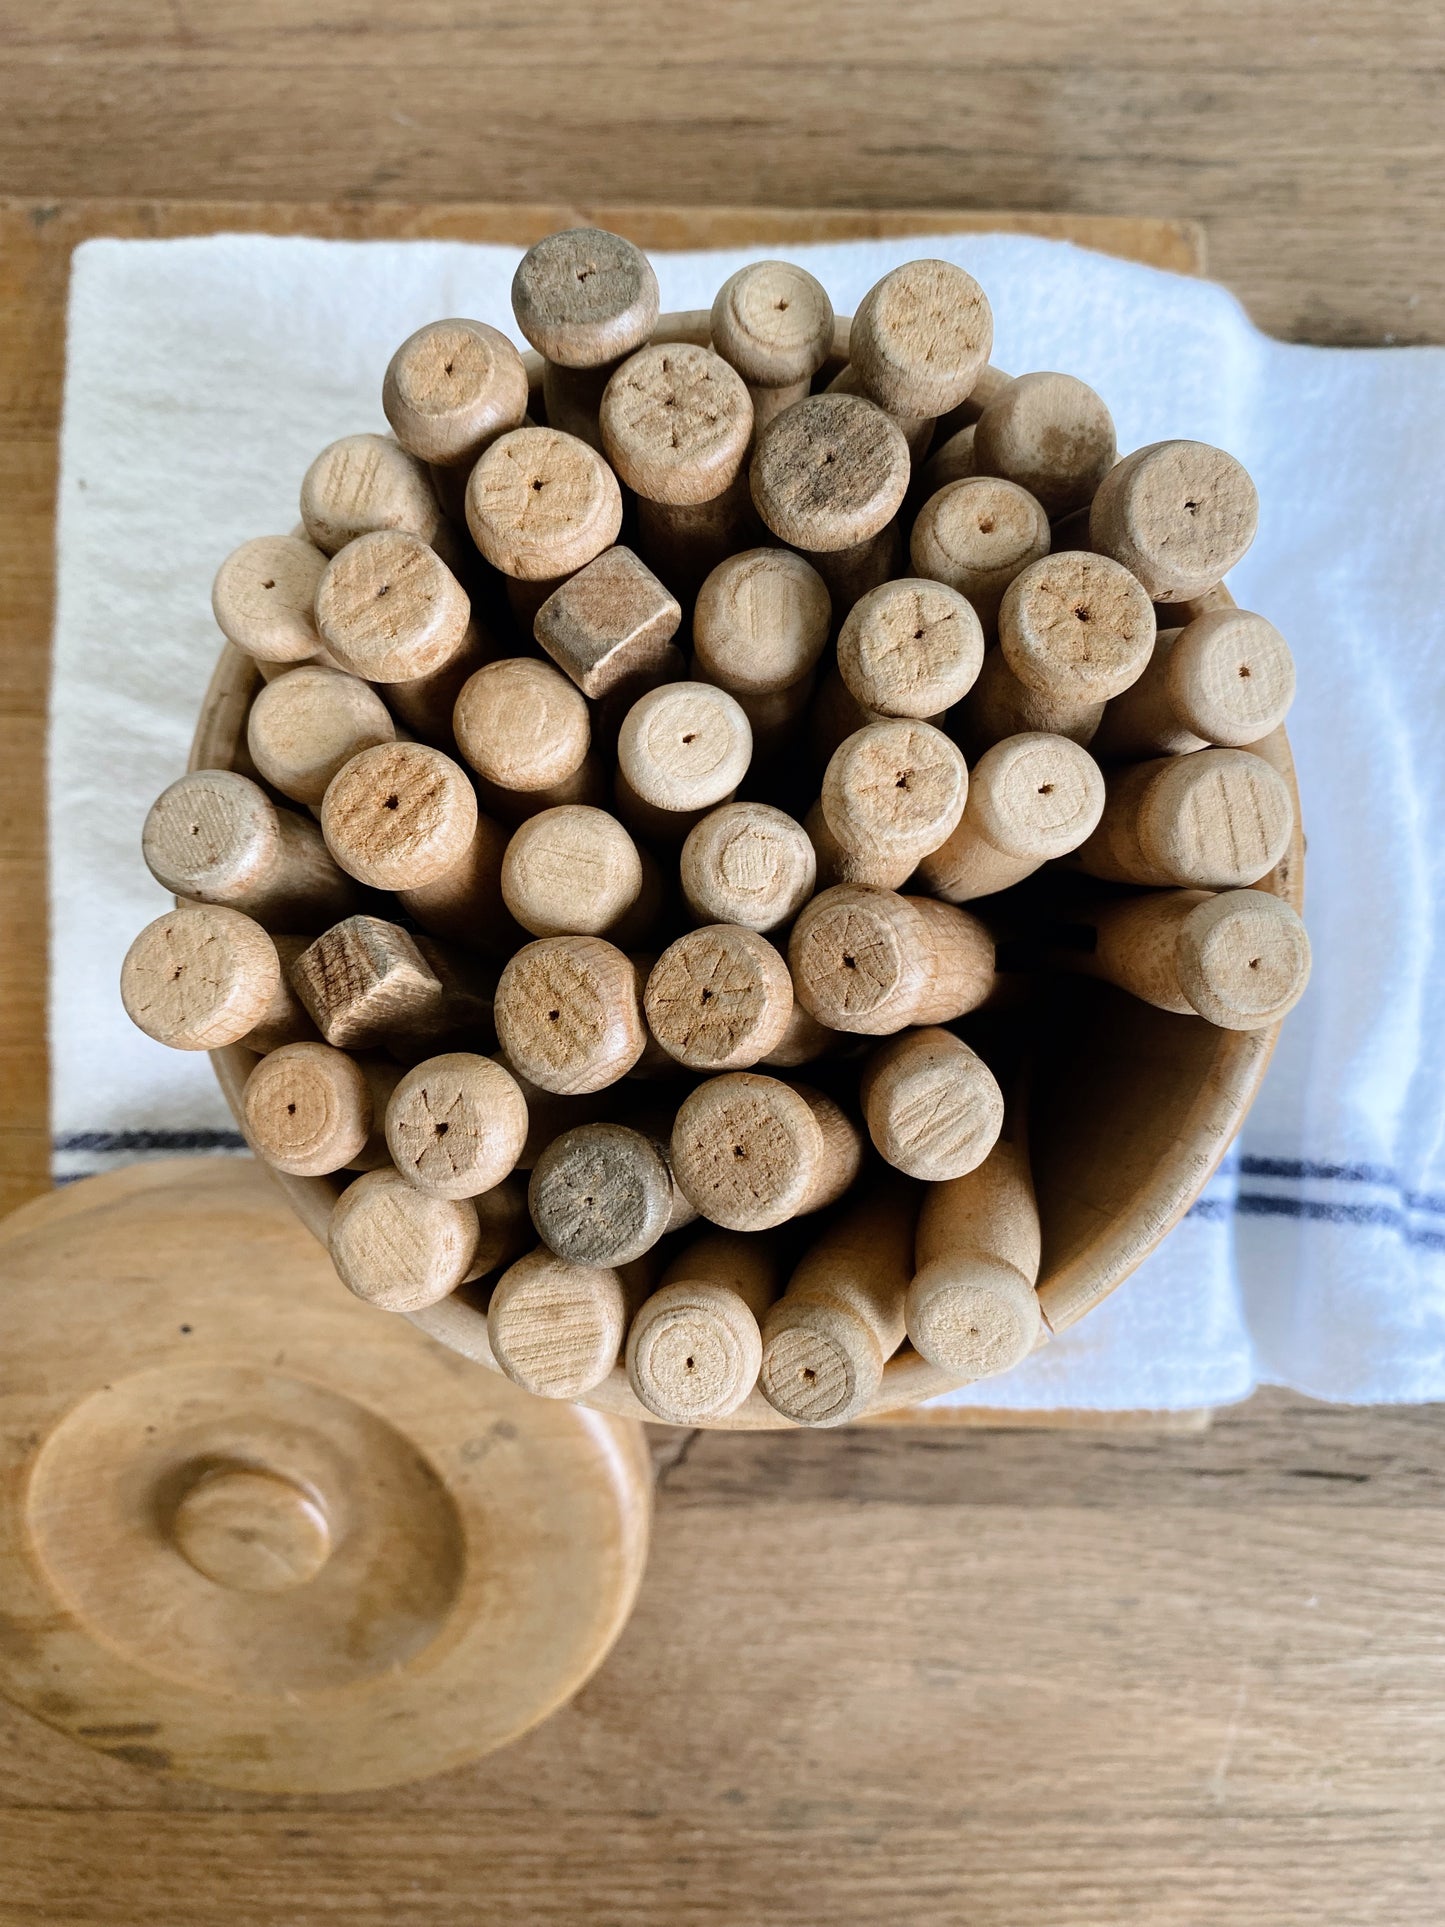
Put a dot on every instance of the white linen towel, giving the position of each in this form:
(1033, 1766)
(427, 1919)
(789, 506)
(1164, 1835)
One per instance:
(202, 377)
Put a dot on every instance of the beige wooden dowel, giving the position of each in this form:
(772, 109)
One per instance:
(285, 1019)
(951, 461)
(311, 1109)
(761, 621)
(1076, 629)
(1031, 798)
(852, 571)
(609, 624)
(827, 1339)
(399, 1249)
(976, 536)
(1052, 435)
(464, 905)
(750, 1152)
(569, 1014)
(308, 722)
(1241, 959)
(200, 977)
(694, 1346)
(586, 786)
(389, 609)
(456, 1125)
(830, 474)
(557, 1328)
(834, 864)
(541, 505)
(921, 338)
(399, 816)
(1178, 515)
(987, 388)
(774, 323)
(584, 296)
(264, 598)
(576, 870)
(910, 648)
(1227, 678)
(423, 705)
(450, 390)
(917, 430)
(676, 425)
(459, 1017)
(1214, 819)
(893, 791)
(972, 1307)
(803, 1042)
(364, 981)
(871, 962)
(603, 1194)
(999, 706)
(217, 837)
(365, 483)
(932, 1106)
(719, 998)
(748, 864)
(684, 747)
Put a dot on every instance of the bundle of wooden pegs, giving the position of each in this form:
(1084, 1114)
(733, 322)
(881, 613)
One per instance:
(743, 954)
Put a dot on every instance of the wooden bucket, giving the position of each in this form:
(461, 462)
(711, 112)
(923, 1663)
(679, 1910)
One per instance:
(1129, 1118)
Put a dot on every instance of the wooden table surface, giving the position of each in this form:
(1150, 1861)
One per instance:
(907, 1675)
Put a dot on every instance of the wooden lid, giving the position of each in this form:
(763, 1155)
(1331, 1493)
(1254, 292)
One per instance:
(676, 422)
(541, 504)
(248, 1536)
(921, 337)
(829, 472)
(774, 322)
(451, 388)
(1076, 628)
(584, 297)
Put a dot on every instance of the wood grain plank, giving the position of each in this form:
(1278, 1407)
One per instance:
(1307, 138)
